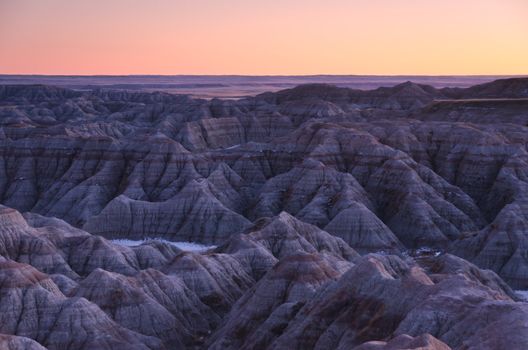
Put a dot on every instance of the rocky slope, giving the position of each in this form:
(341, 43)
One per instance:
(324, 203)
(280, 284)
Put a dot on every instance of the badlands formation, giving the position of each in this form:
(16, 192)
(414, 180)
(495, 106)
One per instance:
(394, 218)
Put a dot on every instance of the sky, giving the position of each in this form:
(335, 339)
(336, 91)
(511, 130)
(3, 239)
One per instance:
(256, 37)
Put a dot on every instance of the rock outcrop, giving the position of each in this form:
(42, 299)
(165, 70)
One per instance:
(428, 185)
(280, 283)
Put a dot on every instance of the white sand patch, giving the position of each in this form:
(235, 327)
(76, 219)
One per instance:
(522, 294)
(186, 246)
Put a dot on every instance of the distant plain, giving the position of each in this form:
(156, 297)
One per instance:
(235, 86)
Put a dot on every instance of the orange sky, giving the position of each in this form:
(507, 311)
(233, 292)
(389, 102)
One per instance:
(264, 37)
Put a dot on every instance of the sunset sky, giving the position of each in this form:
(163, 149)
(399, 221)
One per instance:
(264, 37)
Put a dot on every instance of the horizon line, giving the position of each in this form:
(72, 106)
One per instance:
(265, 75)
